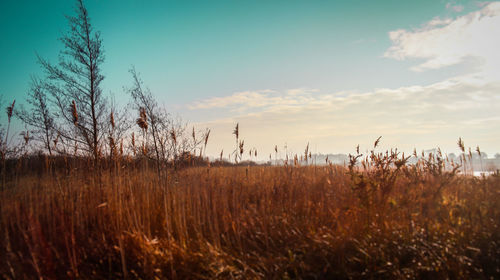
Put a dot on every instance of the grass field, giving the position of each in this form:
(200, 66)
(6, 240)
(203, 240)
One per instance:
(381, 218)
(106, 174)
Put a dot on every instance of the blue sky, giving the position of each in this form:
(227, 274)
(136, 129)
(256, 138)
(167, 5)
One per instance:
(194, 49)
(289, 60)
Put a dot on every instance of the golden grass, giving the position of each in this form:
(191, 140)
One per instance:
(325, 222)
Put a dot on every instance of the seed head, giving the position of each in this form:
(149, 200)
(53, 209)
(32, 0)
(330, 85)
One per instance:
(242, 143)
(111, 143)
(206, 137)
(173, 135)
(10, 110)
(461, 144)
(376, 142)
(236, 131)
(112, 120)
(74, 112)
(142, 121)
(306, 152)
(133, 142)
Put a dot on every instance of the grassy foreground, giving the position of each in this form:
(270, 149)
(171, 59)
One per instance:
(386, 220)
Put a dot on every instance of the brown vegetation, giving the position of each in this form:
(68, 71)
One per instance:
(386, 220)
(91, 193)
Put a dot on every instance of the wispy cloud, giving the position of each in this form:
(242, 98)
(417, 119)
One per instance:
(446, 42)
(455, 8)
(402, 115)
(241, 101)
(249, 98)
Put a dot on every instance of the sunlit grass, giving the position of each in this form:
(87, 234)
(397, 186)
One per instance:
(386, 220)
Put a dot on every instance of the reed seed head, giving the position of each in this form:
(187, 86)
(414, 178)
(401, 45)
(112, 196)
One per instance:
(74, 113)
(10, 110)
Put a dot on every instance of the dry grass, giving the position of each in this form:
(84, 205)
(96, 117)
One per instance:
(329, 222)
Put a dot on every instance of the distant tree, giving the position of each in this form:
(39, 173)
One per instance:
(75, 84)
(38, 116)
(187, 159)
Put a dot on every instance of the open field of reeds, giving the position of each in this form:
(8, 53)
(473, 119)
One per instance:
(381, 218)
(155, 207)
(103, 178)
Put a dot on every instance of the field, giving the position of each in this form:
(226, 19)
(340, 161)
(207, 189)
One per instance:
(122, 154)
(379, 217)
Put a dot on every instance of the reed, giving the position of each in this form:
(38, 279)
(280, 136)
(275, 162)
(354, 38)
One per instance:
(385, 218)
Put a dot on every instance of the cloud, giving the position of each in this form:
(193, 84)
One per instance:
(255, 99)
(483, 3)
(435, 22)
(454, 8)
(249, 98)
(446, 42)
(406, 117)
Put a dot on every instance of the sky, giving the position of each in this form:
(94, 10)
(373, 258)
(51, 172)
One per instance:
(334, 74)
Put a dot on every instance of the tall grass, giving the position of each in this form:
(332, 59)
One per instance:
(388, 219)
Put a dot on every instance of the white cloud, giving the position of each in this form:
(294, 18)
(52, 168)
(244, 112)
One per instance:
(446, 42)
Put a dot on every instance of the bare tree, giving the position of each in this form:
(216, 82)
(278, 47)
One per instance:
(38, 116)
(75, 84)
(152, 117)
(169, 135)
